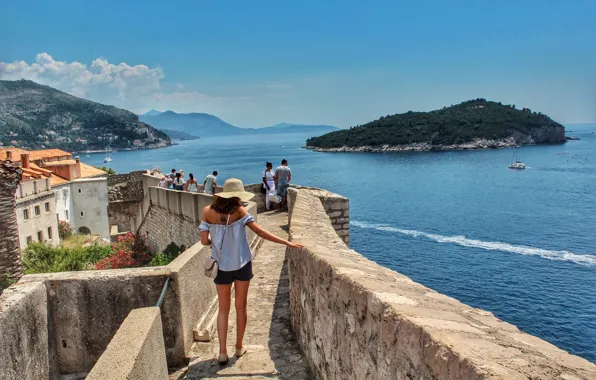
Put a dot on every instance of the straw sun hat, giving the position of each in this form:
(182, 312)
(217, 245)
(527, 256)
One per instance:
(234, 188)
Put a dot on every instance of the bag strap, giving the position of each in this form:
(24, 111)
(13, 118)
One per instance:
(222, 238)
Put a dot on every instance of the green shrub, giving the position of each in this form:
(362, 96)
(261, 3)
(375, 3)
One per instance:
(5, 281)
(44, 258)
(167, 256)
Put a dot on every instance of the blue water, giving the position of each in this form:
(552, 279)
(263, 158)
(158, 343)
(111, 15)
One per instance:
(521, 244)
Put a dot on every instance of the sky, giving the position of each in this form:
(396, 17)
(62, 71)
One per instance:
(343, 63)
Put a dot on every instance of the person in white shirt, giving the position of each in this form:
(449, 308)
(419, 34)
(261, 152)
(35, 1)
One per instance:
(179, 182)
(268, 183)
(164, 184)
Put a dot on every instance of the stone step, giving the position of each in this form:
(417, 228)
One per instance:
(255, 364)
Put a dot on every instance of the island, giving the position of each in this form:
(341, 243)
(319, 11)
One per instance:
(474, 124)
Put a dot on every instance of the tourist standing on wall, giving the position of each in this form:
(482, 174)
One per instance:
(223, 224)
(283, 176)
(268, 183)
(191, 184)
(172, 178)
(179, 182)
(164, 183)
(210, 183)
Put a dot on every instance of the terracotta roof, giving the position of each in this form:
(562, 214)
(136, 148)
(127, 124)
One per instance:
(33, 172)
(16, 153)
(90, 171)
(56, 180)
(35, 155)
(37, 168)
(60, 163)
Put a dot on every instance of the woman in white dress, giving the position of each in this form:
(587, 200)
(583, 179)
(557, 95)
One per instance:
(268, 183)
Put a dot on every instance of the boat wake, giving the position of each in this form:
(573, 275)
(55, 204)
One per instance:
(487, 245)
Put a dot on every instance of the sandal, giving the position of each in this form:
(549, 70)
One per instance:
(240, 351)
(222, 359)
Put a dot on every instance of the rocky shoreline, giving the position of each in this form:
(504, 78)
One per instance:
(427, 146)
(151, 146)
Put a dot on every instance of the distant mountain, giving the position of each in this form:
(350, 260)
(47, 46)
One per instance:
(177, 135)
(151, 113)
(312, 130)
(474, 124)
(206, 125)
(196, 124)
(36, 116)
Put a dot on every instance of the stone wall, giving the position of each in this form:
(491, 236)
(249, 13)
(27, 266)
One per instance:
(174, 217)
(86, 309)
(355, 319)
(336, 207)
(121, 212)
(24, 333)
(127, 186)
(136, 351)
(126, 195)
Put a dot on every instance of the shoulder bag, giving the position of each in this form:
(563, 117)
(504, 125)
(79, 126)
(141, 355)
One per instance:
(211, 265)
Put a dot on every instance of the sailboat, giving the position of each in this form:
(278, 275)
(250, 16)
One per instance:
(517, 164)
(108, 156)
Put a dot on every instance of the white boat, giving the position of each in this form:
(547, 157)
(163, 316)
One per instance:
(517, 164)
(108, 156)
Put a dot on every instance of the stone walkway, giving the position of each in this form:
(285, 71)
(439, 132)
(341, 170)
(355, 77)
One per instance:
(273, 352)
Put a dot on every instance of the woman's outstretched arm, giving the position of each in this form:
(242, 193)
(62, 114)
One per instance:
(269, 236)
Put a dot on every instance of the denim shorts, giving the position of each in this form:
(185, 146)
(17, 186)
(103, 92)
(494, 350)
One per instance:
(282, 189)
(228, 277)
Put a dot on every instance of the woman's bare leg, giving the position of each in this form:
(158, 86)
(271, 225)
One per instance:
(241, 294)
(223, 298)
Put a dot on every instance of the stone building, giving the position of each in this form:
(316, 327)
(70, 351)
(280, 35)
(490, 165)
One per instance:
(86, 212)
(10, 252)
(35, 206)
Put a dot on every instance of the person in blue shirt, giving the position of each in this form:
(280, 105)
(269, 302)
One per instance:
(223, 227)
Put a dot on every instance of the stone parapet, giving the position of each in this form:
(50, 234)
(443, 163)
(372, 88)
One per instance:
(336, 207)
(355, 319)
(136, 351)
(24, 333)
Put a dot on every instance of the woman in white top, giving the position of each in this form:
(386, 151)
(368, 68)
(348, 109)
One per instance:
(191, 184)
(268, 183)
(223, 226)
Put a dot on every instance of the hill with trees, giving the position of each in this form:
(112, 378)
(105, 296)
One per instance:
(34, 116)
(472, 124)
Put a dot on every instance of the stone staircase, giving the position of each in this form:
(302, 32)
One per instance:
(273, 352)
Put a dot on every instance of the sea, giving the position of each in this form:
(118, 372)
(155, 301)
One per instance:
(521, 244)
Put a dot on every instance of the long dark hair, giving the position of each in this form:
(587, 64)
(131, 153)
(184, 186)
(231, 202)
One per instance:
(225, 205)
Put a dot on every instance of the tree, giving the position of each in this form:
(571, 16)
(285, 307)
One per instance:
(10, 250)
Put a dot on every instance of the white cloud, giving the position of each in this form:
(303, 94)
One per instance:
(101, 77)
(136, 88)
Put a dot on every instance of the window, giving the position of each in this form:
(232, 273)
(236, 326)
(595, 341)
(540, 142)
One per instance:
(37, 210)
(29, 240)
(80, 191)
(26, 214)
(50, 233)
(66, 214)
(82, 213)
(40, 236)
(47, 206)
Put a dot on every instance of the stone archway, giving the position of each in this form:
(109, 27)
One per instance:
(84, 230)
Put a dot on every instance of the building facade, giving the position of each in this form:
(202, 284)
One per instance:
(79, 195)
(90, 206)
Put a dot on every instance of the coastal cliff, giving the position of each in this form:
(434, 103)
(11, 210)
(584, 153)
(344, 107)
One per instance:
(476, 124)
